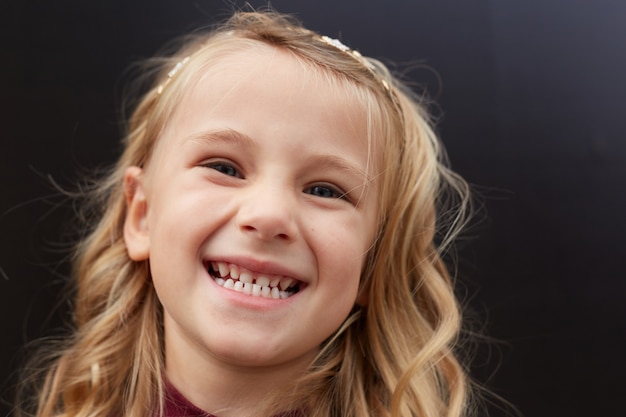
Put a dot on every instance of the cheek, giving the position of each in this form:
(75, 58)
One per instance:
(341, 254)
(179, 226)
(183, 212)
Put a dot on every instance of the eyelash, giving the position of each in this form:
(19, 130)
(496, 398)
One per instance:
(329, 191)
(222, 167)
(317, 190)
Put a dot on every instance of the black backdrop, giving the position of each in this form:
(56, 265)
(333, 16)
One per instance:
(531, 97)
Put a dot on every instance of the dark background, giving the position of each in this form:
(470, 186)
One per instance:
(531, 107)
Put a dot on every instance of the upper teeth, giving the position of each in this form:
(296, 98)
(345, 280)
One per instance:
(240, 279)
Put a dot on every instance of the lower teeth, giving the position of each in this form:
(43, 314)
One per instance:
(253, 289)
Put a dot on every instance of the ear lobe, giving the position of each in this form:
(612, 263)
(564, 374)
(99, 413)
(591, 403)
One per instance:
(136, 234)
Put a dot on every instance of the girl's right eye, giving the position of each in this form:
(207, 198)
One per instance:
(225, 168)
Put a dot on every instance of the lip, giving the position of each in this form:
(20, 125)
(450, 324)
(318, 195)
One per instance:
(257, 266)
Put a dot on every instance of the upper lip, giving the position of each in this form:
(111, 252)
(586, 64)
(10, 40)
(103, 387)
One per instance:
(258, 266)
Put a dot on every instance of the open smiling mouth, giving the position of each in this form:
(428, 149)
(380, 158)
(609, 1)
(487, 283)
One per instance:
(239, 279)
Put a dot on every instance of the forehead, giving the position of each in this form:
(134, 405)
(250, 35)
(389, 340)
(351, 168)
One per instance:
(263, 69)
(258, 81)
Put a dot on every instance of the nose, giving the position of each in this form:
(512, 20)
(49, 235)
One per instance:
(268, 214)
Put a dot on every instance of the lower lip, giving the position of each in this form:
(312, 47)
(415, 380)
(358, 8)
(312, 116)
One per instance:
(251, 301)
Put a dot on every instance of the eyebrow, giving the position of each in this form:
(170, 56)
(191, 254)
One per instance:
(229, 136)
(332, 162)
(325, 161)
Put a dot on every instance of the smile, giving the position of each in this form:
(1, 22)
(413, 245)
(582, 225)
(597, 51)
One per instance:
(237, 278)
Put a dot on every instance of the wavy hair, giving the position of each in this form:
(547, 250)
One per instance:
(395, 355)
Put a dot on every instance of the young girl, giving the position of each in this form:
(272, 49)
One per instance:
(270, 243)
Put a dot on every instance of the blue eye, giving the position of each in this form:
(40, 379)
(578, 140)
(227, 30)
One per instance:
(324, 191)
(224, 168)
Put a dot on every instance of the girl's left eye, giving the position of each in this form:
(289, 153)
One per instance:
(324, 191)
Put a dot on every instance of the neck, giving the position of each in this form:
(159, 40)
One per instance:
(224, 388)
(239, 394)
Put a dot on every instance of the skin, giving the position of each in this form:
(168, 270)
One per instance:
(271, 176)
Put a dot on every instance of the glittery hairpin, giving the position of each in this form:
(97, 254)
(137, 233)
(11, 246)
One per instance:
(325, 39)
(356, 55)
(171, 74)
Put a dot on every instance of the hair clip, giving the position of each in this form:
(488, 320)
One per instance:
(336, 43)
(171, 74)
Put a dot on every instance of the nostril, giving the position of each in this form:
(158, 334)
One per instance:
(266, 224)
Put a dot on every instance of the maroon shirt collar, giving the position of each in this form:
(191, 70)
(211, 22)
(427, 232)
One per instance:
(176, 405)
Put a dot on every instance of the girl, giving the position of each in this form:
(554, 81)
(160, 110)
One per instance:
(267, 243)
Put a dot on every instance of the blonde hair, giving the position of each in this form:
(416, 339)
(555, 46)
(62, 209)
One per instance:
(394, 356)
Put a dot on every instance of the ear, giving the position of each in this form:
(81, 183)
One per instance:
(136, 234)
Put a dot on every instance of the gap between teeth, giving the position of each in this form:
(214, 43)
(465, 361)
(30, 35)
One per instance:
(253, 289)
(243, 281)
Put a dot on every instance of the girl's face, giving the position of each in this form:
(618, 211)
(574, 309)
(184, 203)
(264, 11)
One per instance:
(256, 214)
